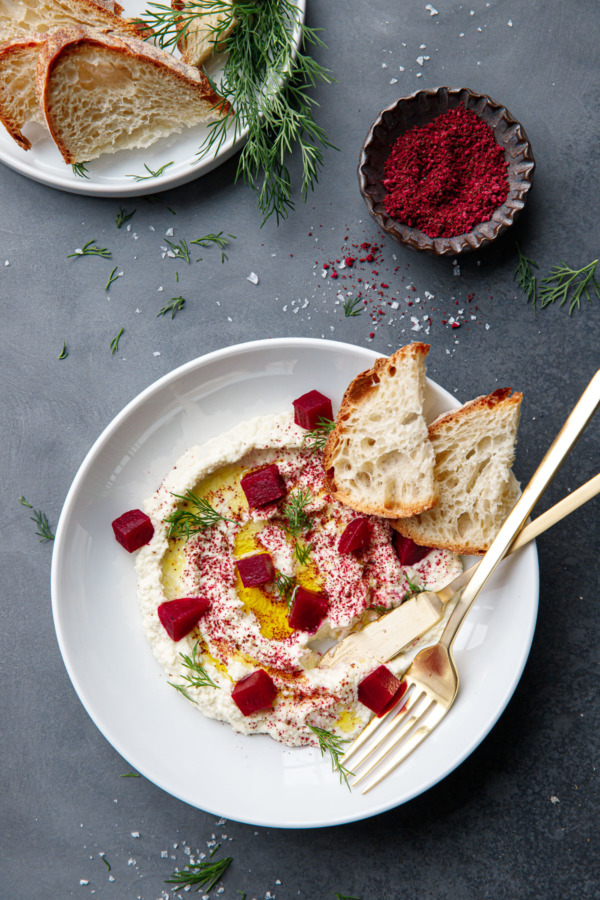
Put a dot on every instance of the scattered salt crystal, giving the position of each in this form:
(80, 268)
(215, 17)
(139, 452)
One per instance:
(253, 277)
(111, 877)
(509, 23)
(135, 235)
(131, 861)
(6, 262)
(393, 81)
(401, 68)
(423, 47)
(164, 854)
(456, 269)
(151, 228)
(429, 295)
(472, 13)
(161, 288)
(169, 232)
(154, 353)
(432, 10)
(419, 75)
(128, 227)
(487, 327)
(83, 881)
(136, 834)
(395, 304)
(416, 324)
(554, 799)
(384, 65)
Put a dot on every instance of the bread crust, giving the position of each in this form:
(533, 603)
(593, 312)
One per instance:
(355, 394)
(502, 397)
(69, 39)
(211, 47)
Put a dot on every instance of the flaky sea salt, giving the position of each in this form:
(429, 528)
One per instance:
(431, 9)
(253, 277)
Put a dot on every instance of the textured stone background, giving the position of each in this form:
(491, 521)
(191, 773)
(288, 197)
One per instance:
(519, 818)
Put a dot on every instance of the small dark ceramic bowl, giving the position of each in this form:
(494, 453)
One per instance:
(419, 109)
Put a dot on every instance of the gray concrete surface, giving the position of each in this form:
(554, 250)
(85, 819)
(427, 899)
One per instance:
(519, 818)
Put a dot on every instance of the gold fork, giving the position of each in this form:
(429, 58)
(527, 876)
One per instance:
(431, 682)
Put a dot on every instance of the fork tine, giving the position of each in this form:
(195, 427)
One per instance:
(399, 733)
(376, 723)
(411, 744)
(388, 725)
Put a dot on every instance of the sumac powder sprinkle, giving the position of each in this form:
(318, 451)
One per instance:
(447, 176)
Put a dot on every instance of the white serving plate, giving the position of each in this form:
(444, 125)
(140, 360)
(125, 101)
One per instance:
(111, 175)
(203, 762)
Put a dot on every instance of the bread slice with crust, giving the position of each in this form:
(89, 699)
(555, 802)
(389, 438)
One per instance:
(474, 452)
(101, 93)
(199, 39)
(379, 459)
(23, 28)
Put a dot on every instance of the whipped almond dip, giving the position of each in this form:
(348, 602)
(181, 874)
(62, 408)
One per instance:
(247, 628)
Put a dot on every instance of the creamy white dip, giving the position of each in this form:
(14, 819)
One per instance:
(246, 628)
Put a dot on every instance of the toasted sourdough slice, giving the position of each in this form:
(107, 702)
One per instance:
(101, 93)
(18, 97)
(23, 26)
(474, 450)
(199, 40)
(379, 459)
(18, 17)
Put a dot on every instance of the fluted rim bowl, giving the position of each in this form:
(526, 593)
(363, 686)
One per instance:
(419, 109)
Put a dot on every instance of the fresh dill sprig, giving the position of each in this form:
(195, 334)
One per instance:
(80, 169)
(64, 352)
(123, 216)
(130, 775)
(525, 276)
(106, 863)
(332, 744)
(353, 306)
(220, 239)
(185, 522)
(285, 587)
(44, 531)
(566, 285)
(111, 278)
(302, 552)
(199, 677)
(294, 511)
(151, 172)
(413, 589)
(317, 437)
(114, 344)
(267, 83)
(91, 249)
(344, 897)
(180, 251)
(201, 874)
(173, 306)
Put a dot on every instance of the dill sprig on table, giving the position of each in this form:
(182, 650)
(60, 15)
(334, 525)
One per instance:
(111, 278)
(199, 677)
(200, 874)
(123, 216)
(91, 249)
(114, 344)
(260, 52)
(44, 531)
(332, 744)
(525, 276)
(173, 306)
(180, 250)
(294, 511)
(317, 437)
(220, 239)
(64, 352)
(566, 285)
(185, 522)
(353, 306)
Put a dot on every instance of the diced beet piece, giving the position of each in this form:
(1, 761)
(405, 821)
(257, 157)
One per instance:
(178, 617)
(133, 529)
(311, 407)
(256, 569)
(356, 535)
(263, 486)
(380, 690)
(408, 552)
(255, 691)
(308, 610)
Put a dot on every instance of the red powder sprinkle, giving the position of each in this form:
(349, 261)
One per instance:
(447, 176)
(334, 274)
(350, 260)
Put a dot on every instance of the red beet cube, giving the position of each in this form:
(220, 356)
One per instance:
(356, 535)
(263, 486)
(408, 552)
(255, 691)
(311, 407)
(178, 617)
(256, 569)
(133, 529)
(380, 690)
(308, 610)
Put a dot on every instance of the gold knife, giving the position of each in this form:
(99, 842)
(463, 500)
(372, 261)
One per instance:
(380, 641)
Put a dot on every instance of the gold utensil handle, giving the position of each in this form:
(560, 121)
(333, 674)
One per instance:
(550, 464)
(530, 532)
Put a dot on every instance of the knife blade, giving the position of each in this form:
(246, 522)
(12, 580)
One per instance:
(380, 641)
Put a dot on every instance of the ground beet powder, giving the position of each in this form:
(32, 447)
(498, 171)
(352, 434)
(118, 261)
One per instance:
(447, 176)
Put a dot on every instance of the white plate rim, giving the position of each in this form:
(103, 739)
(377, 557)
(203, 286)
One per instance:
(282, 344)
(60, 176)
